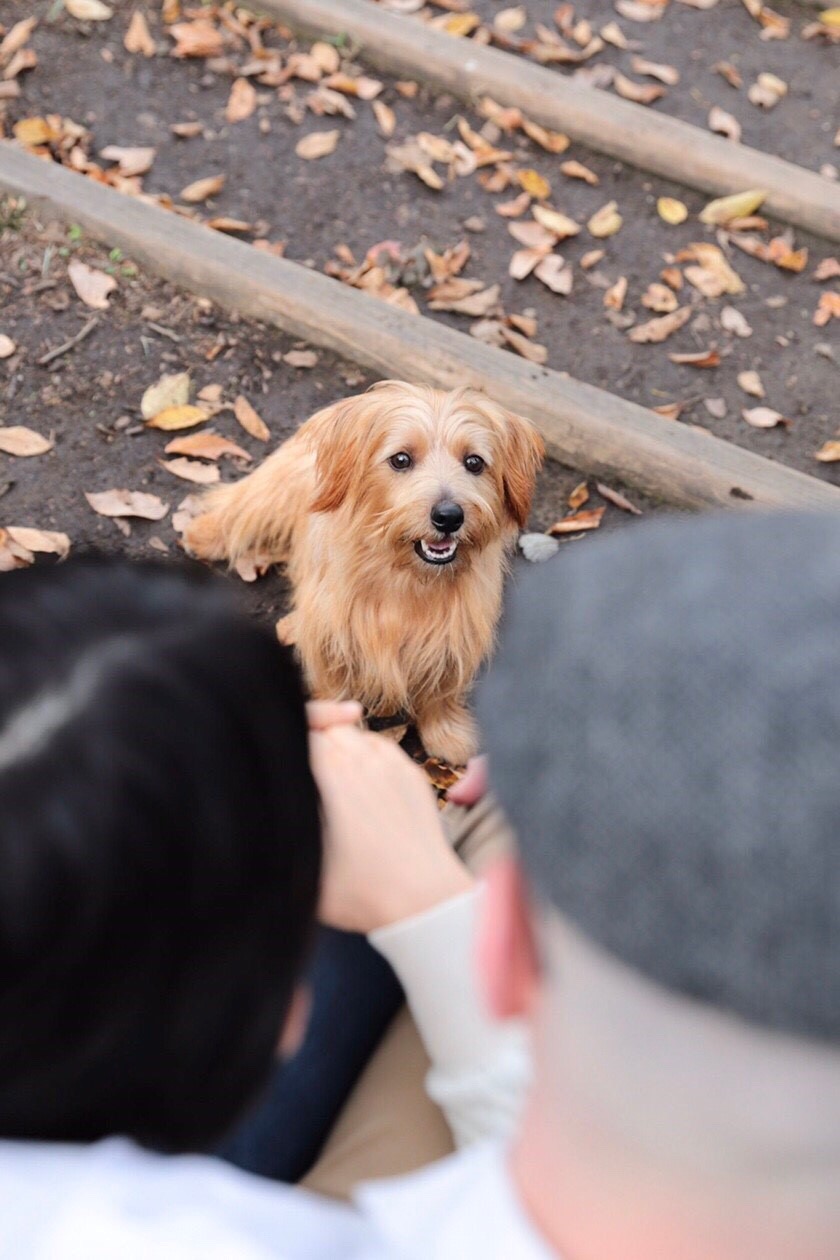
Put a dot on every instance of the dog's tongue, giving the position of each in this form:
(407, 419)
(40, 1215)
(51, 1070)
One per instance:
(439, 546)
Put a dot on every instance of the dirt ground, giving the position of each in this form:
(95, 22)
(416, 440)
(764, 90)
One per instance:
(88, 400)
(348, 200)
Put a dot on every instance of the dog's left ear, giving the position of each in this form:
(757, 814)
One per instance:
(523, 454)
(339, 435)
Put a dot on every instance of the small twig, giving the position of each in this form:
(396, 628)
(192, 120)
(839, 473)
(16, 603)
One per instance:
(67, 346)
(40, 287)
(164, 332)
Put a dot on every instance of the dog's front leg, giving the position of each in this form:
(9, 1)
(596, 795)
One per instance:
(447, 731)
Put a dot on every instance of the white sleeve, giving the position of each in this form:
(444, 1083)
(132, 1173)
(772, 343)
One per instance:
(480, 1066)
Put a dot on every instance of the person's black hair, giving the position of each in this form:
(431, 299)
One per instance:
(160, 853)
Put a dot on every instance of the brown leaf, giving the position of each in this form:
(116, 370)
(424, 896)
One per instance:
(512, 209)
(700, 359)
(617, 499)
(724, 124)
(615, 294)
(523, 262)
(249, 419)
(186, 130)
(131, 161)
(34, 131)
(672, 276)
(89, 10)
(576, 170)
(317, 144)
(637, 11)
(591, 258)
(763, 417)
(41, 540)
(656, 70)
(411, 157)
(15, 38)
(578, 496)
(578, 522)
(92, 286)
(242, 101)
(18, 440)
(364, 88)
(641, 93)
(386, 119)
(555, 274)
(551, 141)
(659, 298)
(510, 20)
(128, 503)
(196, 39)
(829, 453)
(530, 350)
(714, 276)
(671, 411)
(138, 38)
(656, 330)
(184, 416)
(202, 189)
(828, 269)
(192, 470)
(327, 56)
(730, 73)
(476, 305)
(828, 308)
(234, 227)
(206, 445)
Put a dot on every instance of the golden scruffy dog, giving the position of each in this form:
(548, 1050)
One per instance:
(395, 512)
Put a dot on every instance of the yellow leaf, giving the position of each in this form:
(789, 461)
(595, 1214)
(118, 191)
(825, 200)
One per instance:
(830, 452)
(606, 221)
(737, 206)
(317, 144)
(671, 210)
(249, 419)
(34, 131)
(551, 141)
(534, 184)
(461, 24)
(830, 17)
(185, 416)
(172, 390)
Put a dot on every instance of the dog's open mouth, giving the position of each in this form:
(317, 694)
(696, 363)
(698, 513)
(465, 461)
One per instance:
(442, 552)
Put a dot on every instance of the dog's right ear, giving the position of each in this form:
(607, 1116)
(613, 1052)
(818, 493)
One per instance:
(339, 436)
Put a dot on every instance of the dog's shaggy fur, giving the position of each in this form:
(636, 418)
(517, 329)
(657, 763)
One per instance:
(388, 609)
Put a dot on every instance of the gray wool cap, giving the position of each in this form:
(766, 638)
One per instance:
(663, 727)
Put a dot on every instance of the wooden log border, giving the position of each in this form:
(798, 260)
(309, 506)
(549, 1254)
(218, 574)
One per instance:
(641, 137)
(584, 427)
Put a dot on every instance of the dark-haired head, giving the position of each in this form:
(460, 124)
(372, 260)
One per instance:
(159, 853)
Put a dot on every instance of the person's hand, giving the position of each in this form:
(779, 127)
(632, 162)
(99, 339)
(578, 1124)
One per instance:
(472, 785)
(385, 853)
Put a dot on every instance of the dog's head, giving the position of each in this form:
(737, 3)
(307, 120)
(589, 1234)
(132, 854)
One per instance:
(435, 475)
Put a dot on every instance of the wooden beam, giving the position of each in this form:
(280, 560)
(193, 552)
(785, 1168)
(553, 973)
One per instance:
(584, 427)
(641, 137)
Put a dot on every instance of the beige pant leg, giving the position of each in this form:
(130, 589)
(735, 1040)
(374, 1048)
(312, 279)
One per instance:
(389, 1125)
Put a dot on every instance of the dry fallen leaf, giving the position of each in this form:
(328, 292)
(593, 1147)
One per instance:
(34, 131)
(732, 320)
(242, 101)
(477, 304)
(672, 276)
(714, 275)
(92, 286)
(578, 522)
(656, 330)
(671, 210)
(555, 274)
(510, 20)
(750, 383)
(829, 453)
(301, 358)
(551, 141)
(411, 157)
(317, 144)
(559, 225)
(576, 170)
(192, 470)
(327, 56)
(579, 496)
(656, 70)
(88, 10)
(184, 416)
(128, 503)
(615, 294)
(234, 227)
(196, 39)
(138, 38)
(207, 445)
(172, 390)
(763, 417)
(186, 130)
(131, 161)
(738, 205)
(828, 269)
(641, 93)
(534, 184)
(828, 308)
(729, 72)
(15, 38)
(203, 189)
(617, 499)
(42, 540)
(386, 119)
(512, 209)
(606, 221)
(724, 124)
(7, 347)
(699, 359)
(523, 262)
(249, 419)
(659, 298)
(767, 91)
(530, 350)
(18, 440)
(365, 88)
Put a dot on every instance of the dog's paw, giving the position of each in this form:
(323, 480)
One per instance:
(449, 736)
(204, 539)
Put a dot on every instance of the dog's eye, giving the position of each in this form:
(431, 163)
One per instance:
(401, 461)
(474, 464)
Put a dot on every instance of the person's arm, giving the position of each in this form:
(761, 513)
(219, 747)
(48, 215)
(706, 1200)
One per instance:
(390, 872)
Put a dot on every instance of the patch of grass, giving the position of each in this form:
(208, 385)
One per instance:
(74, 233)
(12, 213)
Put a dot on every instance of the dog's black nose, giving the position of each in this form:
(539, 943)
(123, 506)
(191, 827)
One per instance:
(448, 517)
